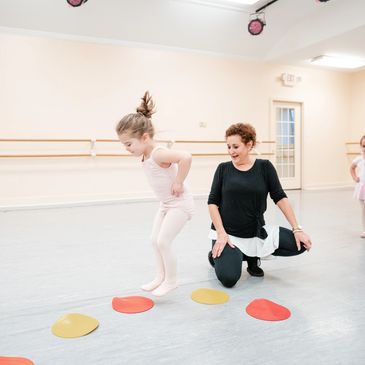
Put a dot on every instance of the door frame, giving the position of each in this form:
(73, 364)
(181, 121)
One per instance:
(272, 134)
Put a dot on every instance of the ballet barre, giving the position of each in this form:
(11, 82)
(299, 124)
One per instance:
(93, 142)
(111, 155)
(348, 147)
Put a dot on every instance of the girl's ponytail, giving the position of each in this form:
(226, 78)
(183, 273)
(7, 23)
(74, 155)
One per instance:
(136, 124)
(147, 105)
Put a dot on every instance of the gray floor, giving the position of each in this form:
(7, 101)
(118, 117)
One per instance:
(58, 261)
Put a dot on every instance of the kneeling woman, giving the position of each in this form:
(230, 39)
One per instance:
(237, 203)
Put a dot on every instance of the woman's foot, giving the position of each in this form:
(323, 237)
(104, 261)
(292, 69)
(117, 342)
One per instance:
(362, 235)
(163, 289)
(152, 285)
(253, 264)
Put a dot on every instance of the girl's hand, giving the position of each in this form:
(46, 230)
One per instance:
(177, 189)
(219, 245)
(357, 179)
(301, 237)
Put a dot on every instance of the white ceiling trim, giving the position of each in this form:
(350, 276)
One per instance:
(117, 42)
(223, 5)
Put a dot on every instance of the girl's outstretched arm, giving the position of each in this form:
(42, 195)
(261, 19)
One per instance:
(182, 159)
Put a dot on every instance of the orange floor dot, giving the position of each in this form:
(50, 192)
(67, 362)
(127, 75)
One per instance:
(267, 310)
(133, 304)
(15, 361)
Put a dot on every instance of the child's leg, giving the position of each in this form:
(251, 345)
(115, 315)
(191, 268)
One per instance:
(362, 203)
(173, 222)
(160, 270)
(287, 244)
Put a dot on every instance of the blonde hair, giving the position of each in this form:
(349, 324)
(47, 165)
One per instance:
(363, 137)
(246, 131)
(137, 124)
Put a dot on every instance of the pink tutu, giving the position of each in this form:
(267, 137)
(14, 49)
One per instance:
(359, 192)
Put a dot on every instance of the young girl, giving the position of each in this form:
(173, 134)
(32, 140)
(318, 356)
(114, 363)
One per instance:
(357, 171)
(166, 171)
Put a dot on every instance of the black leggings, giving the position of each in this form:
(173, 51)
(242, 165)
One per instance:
(228, 267)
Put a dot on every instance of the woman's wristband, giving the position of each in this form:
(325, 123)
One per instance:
(298, 228)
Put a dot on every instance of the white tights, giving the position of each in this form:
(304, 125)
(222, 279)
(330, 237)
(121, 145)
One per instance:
(166, 226)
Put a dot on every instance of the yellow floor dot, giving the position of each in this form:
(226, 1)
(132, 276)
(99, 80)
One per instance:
(209, 296)
(74, 325)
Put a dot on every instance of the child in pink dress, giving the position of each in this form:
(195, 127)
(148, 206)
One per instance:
(357, 171)
(166, 171)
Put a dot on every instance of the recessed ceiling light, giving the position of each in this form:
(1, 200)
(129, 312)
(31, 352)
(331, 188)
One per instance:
(338, 61)
(230, 2)
(241, 2)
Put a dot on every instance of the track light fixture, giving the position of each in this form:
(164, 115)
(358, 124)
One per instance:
(257, 19)
(257, 23)
(75, 3)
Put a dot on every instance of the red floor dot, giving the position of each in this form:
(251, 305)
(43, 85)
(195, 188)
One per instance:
(134, 304)
(267, 310)
(15, 361)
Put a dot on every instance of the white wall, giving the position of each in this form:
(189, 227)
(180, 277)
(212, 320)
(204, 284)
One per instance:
(357, 106)
(52, 88)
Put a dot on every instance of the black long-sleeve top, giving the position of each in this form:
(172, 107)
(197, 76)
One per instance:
(241, 197)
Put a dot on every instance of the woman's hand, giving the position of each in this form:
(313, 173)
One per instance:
(357, 179)
(177, 189)
(219, 245)
(301, 237)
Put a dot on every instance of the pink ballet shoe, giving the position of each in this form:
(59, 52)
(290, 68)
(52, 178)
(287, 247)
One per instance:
(152, 285)
(163, 289)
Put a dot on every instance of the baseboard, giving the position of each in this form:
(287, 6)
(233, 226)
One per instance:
(343, 186)
(69, 202)
(79, 201)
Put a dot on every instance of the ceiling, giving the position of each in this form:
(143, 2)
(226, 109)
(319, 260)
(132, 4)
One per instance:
(296, 30)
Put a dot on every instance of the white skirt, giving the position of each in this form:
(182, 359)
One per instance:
(255, 246)
(359, 192)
